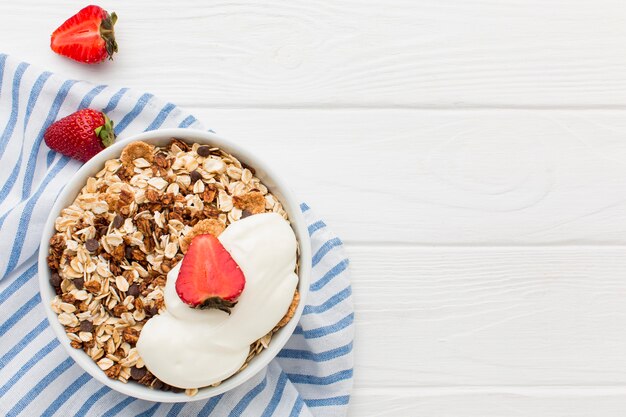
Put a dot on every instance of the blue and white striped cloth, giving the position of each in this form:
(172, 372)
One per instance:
(312, 375)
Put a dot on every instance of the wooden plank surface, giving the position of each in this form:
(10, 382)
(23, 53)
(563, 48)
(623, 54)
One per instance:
(491, 402)
(471, 154)
(358, 53)
(459, 317)
(449, 177)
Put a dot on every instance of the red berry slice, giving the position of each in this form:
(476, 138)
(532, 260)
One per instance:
(209, 277)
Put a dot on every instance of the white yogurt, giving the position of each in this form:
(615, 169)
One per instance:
(192, 348)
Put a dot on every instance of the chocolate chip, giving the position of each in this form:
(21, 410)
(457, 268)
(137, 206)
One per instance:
(92, 245)
(133, 290)
(102, 231)
(246, 213)
(118, 221)
(86, 326)
(128, 252)
(195, 176)
(79, 283)
(151, 310)
(176, 389)
(157, 384)
(204, 151)
(138, 373)
(55, 279)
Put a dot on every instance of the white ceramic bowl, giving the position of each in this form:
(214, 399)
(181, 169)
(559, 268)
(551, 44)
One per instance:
(273, 182)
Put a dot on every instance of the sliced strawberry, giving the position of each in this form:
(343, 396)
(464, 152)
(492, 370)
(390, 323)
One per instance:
(87, 36)
(209, 277)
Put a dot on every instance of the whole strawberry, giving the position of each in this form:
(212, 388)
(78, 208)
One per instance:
(87, 36)
(80, 135)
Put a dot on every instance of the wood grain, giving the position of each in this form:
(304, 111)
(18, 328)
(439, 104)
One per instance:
(486, 243)
(448, 177)
(493, 402)
(489, 316)
(358, 53)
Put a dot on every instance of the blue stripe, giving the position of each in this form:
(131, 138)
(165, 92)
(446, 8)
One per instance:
(304, 208)
(18, 283)
(278, 393)
(22, 229)
(150, 411)
(91, 401)
(210, 406)
(247, 399)
(115, 410)
(38, 388)
(327, 355)
(34, 95)
(115, 100)
(3, 218)
(320, 380)
(175, 410)
(297, 407)
(129, 117)
(25, 341)
(316, 226)
(330, 329)
(328, 304)
(3, 60)
(50, 158)
(325, 402)
(28, 365)
(328, 276)
(160, 118)
(52, 115)
(21, 312)
(66, 395)
(86, 101)
(15, 107)
(8, 185)
(32, 100)
(189, 120)
(326, 247)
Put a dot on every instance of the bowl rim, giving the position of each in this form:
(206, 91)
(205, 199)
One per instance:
(290, 204)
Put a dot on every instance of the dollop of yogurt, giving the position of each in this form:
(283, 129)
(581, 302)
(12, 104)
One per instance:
(192, 348)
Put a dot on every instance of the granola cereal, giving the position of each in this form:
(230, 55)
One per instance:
(128, 227)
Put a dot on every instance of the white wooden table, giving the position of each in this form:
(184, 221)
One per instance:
(471, 154)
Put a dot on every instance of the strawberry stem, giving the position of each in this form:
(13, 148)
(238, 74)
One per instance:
(106, 132)
(108, 34)
(218, 303)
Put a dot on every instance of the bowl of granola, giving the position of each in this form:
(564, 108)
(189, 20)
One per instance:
(174, 265)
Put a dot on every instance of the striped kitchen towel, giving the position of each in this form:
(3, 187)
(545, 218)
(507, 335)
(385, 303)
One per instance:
(312, 375)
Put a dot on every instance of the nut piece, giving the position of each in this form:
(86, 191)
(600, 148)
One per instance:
(92, 286)
(130, 335)
(291, 311)
(253, 202)
(114, 371)
(136, 150)
(203, 227)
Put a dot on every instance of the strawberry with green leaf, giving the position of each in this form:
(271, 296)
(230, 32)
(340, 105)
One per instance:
(81, 135)
(87, 37)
